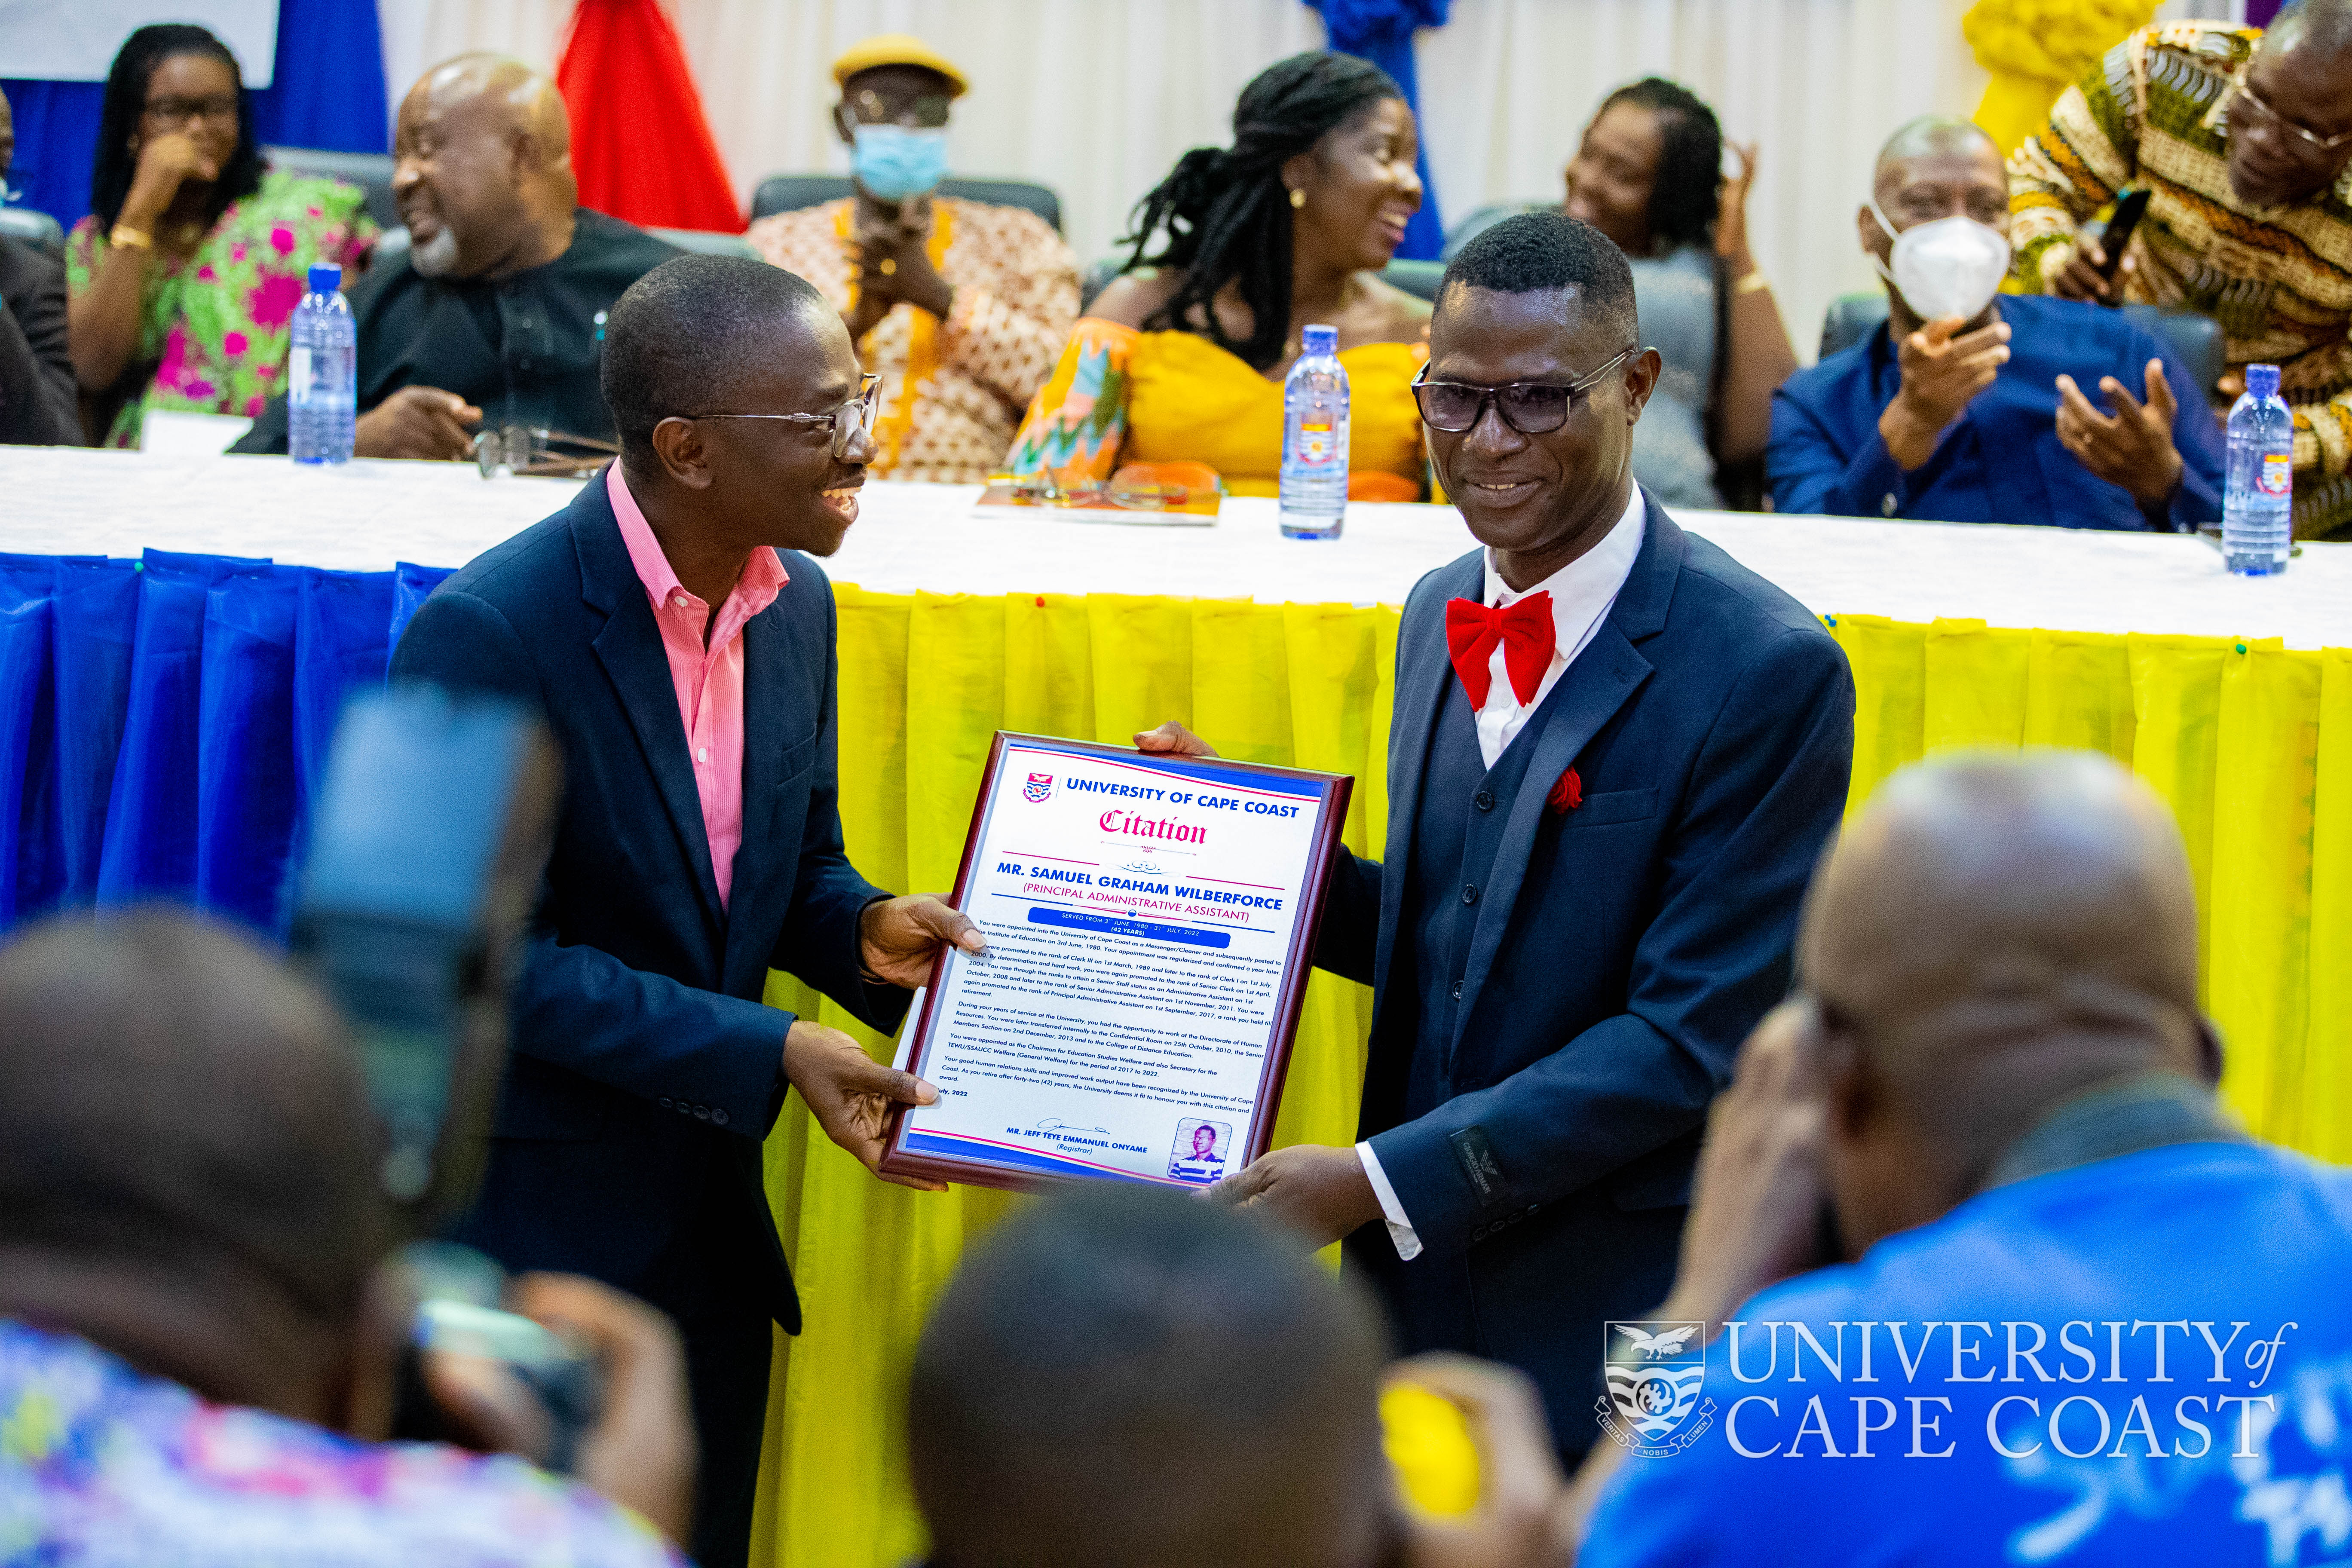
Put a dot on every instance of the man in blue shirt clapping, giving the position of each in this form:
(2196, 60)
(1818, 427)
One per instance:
(1968, 407)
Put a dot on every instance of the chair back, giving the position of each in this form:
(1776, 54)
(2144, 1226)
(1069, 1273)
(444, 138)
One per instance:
(704, 242)
(2194, 337)
(1096, 278)
(1416, 278)
(371, 171)
(1850, 319)
(791, 193)
(35, 229)
(1484, 218)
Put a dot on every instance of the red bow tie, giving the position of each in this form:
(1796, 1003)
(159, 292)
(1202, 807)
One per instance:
(1526, 631)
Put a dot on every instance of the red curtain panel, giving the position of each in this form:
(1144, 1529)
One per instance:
(639, 140)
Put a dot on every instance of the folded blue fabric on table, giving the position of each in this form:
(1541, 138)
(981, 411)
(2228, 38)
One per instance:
(169, 720)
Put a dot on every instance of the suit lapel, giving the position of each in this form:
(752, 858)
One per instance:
(1422, 670)
(1603, 678)
(630, 649)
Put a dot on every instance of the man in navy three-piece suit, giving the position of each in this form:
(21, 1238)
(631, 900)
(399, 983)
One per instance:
(673, 632)
(1615, 758)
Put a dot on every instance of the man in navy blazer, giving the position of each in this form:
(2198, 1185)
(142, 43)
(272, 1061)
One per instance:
(1615, 757)
(645, 1070)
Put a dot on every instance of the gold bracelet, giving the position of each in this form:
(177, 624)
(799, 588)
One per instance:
(1754, 283)
(122, 236)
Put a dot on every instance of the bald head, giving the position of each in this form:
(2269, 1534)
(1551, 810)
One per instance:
(483, 168)
(184, 1138)
(1934, 136)
(1992, 935)
(1127, 1378)
(2299, 98)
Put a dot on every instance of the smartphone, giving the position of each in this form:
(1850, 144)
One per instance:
(2127, 214)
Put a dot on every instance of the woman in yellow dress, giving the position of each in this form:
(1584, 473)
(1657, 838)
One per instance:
(1181, 357)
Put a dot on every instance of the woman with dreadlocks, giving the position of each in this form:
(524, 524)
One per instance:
(1181, 357)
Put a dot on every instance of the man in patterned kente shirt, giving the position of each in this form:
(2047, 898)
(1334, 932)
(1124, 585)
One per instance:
(2242, 138)
(961, 307)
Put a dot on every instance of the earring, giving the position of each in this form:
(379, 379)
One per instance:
(1298, 196)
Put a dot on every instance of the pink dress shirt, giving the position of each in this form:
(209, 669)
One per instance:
(707, 673)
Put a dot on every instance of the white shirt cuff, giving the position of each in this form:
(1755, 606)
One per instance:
(1406, 1240)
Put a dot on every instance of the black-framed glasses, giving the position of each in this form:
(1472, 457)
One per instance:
(2309, 143)
(928, 112)
(1531, 407)
(180, 110)
(852, 420)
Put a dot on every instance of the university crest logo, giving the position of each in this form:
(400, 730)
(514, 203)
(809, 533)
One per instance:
(1038, 788)
(1655, 1369)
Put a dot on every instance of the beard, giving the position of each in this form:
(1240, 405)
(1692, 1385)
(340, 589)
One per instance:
(436, 255)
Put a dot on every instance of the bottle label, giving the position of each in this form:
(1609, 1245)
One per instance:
(297, 372)
(1318, 439)
(2277, 478)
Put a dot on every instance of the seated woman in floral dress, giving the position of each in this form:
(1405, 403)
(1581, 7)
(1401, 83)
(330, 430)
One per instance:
(184, 277)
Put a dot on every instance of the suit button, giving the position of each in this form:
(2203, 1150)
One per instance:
(663, 1103)
(719, 1118)
(1479, 1234)
(702, 1114)
(1484, 800)
(1457, 991)
(1470, 895)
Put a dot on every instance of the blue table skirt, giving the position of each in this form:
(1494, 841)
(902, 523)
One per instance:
(168, 719)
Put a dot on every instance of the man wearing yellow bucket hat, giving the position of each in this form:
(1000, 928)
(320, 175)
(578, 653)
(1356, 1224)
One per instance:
(961, 307)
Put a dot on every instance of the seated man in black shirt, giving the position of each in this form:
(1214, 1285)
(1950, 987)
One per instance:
(495, 314)
(37, 407)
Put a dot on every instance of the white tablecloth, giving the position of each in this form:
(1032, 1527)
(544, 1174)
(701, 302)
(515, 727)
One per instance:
(368, 515)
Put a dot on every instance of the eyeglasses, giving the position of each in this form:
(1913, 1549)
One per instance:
(180, 110)
(2307, 143)
(534, 450)
(870, 107)
(1531, 407)
(849, 422)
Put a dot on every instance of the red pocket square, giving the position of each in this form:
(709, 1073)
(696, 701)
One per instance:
(1567, 794)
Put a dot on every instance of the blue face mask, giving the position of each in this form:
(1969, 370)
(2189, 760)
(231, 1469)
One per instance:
(896, 162)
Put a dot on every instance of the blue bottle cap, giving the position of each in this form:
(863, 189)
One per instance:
(1318, 341)
(325, 279)
(2261, 380)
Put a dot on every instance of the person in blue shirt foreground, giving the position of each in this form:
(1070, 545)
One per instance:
(2081, 1318)
(1969, 406)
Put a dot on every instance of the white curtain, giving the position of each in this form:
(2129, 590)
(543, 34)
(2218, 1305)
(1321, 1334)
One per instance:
(1097, 97)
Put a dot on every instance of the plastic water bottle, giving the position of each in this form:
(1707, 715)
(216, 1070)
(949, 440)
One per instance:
(322, 374)
(1315, 439)
(2258, 504)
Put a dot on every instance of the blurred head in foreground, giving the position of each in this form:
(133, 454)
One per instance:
(1122, 1377)
(188, 1163)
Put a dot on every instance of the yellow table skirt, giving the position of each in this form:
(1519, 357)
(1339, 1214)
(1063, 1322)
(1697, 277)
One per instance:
(2252, 745)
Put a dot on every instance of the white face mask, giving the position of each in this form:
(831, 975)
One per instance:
(1951, 267)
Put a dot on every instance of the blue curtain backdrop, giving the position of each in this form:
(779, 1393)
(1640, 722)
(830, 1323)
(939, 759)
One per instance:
(1381, 32)
(327, 90)
(168, 719)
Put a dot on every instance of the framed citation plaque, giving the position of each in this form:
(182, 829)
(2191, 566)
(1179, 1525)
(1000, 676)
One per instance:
(1150, 922)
